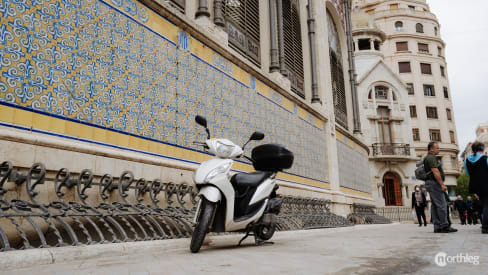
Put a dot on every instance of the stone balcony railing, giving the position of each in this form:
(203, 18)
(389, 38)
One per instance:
(391, 150)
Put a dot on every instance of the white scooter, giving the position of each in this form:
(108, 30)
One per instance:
(242, 202)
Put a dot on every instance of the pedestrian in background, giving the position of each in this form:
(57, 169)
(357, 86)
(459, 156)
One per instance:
(460, 206)
(469, 210)
(476, 166)
(419, 202)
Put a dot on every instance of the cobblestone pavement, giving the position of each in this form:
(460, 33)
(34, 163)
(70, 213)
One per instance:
(364, 249)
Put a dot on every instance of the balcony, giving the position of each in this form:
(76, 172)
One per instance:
(391, 151)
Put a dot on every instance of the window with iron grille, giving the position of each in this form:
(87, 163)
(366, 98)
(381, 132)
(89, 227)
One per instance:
(293, 45)
(404, 67)
(425, 68)
(416, 134)
(446, 93)
(410, 89)
(423, 48)
(337, 73)
(402, 46)
(435, 135)
(429, 90)
(177, 4)
(431, 112)
(448, 113)
(242, 25)
(413, 111)
(451, 135)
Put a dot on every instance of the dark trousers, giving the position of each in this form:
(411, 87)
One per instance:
(439, 205)
(420, 214)
(484, 201)
(462, 216)
(471, 217)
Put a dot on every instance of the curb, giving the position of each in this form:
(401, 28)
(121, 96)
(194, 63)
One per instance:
(43, 256)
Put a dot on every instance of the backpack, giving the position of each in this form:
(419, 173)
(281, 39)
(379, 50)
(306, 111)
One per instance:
(420, 172)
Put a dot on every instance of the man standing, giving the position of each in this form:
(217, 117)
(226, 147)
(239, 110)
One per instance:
(460, 206)
(477, 168)
(436, 188)
(469, 208)
(419, 202)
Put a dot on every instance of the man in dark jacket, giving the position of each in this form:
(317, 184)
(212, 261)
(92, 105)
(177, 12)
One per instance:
(476, 166)
(419, 202)
(460, 206)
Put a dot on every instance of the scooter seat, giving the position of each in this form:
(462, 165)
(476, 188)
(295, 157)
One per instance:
(249, 180)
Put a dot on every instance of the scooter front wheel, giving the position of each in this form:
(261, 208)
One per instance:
(203, 222)
(265, 232)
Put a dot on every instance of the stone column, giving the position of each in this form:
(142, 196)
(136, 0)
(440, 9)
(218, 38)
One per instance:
(311, 36)
(281, 42)
(274, 64)
(202, 9)
(218, 13)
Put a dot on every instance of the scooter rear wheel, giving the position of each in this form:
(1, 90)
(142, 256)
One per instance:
(203, 222)
(265, 232)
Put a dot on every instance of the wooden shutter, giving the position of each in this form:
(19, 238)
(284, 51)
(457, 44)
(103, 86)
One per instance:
(242, 24)
(293, 45)
(423, 47)
(404, 67)
(425, 68)
(401, 46)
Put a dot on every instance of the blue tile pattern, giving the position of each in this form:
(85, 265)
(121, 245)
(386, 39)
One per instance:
(86, 61)
(353, 168)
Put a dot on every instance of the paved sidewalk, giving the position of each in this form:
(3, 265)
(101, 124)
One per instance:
(364, 249)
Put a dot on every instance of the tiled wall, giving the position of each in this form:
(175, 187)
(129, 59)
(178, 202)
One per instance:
(353, 165)
(131, 78)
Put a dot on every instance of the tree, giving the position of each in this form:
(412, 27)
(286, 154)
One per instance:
(462, 187)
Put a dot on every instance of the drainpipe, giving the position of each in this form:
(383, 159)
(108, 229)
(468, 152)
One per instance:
(311, 37)
(274, 66)
(352, 70)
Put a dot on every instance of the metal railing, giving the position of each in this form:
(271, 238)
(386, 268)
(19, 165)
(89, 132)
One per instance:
(395, 213)
(96, 209)
(366, 214)
(391, 149)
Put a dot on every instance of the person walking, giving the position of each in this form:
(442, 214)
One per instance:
(476, 166)
(460, 206)
(469, 210)
(477, 209)
(419, 202)
(436, 188)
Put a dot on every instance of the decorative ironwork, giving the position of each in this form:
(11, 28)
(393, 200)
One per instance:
(121, 209)
(391, 149)
(396, 213)
(365, 213)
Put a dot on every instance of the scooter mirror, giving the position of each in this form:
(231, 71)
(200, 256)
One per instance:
(201, 121)
(257, 136)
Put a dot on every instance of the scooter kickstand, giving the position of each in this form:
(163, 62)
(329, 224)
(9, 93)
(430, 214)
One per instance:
(243, 238)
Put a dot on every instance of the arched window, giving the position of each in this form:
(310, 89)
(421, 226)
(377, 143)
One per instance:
(399, 26)
(435, 31)
(419, 28)
(337, 74)
(242, 25)
(293, 45)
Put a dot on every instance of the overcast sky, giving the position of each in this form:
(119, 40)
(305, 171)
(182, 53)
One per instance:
(464, 28)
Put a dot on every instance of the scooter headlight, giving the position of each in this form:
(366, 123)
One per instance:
(219, 170)
(224, 150)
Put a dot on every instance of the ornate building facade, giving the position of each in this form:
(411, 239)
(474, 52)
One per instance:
(115, 85)
(408, 41)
